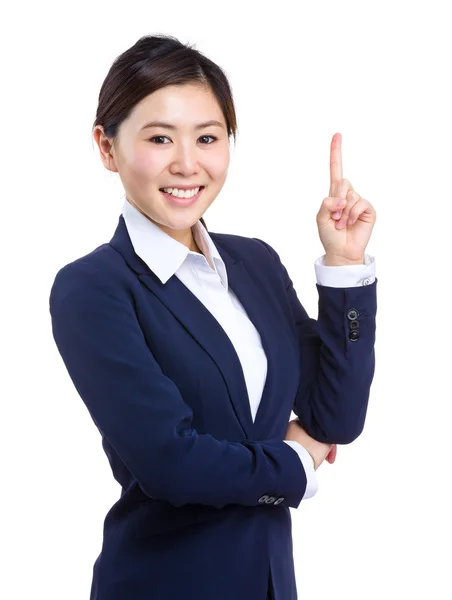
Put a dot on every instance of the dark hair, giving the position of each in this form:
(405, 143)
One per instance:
(154, 62)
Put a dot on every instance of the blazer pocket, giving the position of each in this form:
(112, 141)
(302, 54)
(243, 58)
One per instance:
(157, 517)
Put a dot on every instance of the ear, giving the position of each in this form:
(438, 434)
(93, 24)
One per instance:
(106, 149)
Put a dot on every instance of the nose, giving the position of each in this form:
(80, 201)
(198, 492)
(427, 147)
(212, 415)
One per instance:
(185, 160)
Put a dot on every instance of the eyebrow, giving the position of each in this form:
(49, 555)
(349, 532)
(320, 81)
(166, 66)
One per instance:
(169, 126)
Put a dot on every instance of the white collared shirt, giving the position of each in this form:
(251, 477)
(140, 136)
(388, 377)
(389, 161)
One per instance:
(206, 277)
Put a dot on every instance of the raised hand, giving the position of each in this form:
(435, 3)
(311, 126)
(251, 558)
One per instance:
(344, 228)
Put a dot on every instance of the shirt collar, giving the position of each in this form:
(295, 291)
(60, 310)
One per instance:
(163, 254)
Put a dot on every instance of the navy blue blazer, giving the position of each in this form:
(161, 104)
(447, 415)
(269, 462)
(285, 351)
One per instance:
(165, 388)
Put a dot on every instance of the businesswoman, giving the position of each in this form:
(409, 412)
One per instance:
(190, 349)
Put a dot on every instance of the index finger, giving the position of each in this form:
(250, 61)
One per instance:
(336, 158)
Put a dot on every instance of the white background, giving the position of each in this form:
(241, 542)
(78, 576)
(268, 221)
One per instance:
(379, 73)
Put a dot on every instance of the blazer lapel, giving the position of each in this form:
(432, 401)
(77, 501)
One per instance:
(202, 325)
(264, 317)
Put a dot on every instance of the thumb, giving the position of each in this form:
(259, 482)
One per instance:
(329, 206)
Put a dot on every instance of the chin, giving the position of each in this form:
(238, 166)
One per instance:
(183, 221)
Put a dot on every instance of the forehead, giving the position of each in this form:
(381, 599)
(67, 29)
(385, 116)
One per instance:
(180, 105)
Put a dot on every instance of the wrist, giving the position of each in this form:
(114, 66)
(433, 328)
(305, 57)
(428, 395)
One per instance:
(313, 459)
(339, 261)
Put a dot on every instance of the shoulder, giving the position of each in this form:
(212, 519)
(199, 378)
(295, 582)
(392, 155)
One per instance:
(101, 269)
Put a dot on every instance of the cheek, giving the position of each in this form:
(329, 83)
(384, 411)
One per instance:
(219, 164)
(146, 164)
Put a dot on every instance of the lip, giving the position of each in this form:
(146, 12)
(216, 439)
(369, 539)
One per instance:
(184, 187)
(182, 201)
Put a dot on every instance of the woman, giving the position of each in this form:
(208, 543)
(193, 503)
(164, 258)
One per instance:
(191, 349)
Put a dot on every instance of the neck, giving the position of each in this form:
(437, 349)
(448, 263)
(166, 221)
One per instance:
(194, 248)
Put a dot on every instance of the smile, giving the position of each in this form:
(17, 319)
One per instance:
(175, 200)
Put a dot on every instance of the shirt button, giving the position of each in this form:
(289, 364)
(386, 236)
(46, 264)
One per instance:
(366, 282)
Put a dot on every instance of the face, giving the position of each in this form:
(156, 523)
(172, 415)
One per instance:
(153, 157)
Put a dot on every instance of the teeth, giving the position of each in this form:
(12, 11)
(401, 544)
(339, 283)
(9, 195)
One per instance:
(182, 193)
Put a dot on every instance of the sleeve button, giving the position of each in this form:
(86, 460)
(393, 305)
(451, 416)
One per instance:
(263, 499)
(353, 314)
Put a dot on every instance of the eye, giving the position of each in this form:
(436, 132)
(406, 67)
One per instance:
(209, 136)
(159, 137)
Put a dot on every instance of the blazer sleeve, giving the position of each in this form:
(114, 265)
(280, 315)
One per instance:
(336, 365)
(141, 412)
